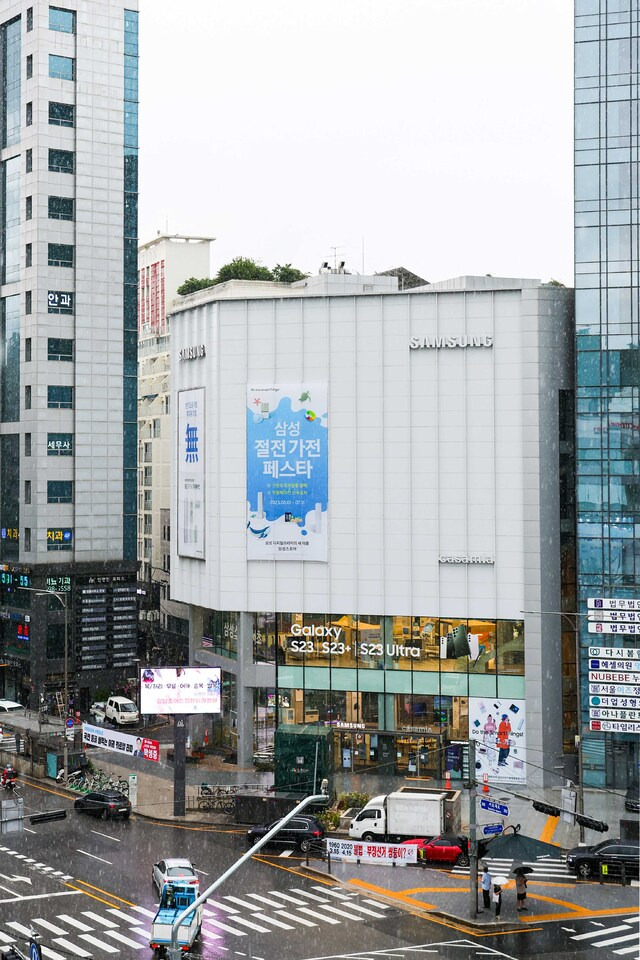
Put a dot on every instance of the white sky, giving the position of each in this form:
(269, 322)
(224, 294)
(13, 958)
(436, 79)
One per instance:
(440, 131)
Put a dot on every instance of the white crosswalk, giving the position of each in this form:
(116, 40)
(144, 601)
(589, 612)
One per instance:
(543, 869)
(32, 864)
(123, 933)
(621, 935)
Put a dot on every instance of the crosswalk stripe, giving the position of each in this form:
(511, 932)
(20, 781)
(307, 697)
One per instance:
(291, 916)
(251, 925)
(311, 896)
(624, 950)
(376, 903)
(343, 913)
(123, 916)
(366, 910)
(143, 910)
(599, 933)
(116, 935)
(52, 954)
(276, 923)
(269, 903)
(78, 924)
(285, 896)
(332, 893)
(99, 943)
(5, 939)
(629, 936)
(98, 919)
(286, 853)
(317, 916)
(221, 906)
(632, 919)
(141, 932)
(71, 947)
(243, 903)
(223, 926)
(51, 927)
(19, 927)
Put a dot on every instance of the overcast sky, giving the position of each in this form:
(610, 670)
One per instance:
(433, 134)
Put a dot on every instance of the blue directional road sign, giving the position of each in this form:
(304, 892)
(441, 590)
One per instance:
(490, 829)
(495, 807)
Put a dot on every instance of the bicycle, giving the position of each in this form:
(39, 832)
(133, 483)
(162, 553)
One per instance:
(216, 798)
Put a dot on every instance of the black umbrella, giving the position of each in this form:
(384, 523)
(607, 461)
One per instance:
(519, 868)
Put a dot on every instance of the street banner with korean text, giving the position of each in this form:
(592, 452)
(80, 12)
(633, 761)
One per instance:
(191, 485)
(373, 852)
(125, 743)
(287, 472)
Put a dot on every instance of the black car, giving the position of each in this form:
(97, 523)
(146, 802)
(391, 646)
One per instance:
(106, 804)
(612, 854)
(632, 799)
(300, 832)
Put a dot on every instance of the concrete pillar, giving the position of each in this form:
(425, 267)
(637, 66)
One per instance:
(244, 692)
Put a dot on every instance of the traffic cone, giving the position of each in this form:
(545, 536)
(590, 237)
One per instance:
(485, 787)
(447, 780)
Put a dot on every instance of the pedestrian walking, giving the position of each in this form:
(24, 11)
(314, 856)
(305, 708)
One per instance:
(497, 898)
(521, 891)
(486, 888)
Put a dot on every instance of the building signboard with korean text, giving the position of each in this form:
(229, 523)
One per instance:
(614, 682)
(287, 472)
(382, 853)
(124, 743)
(190, 519)
(180, 690)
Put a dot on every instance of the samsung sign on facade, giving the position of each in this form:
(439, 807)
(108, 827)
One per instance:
(193, 353)
(435, 343)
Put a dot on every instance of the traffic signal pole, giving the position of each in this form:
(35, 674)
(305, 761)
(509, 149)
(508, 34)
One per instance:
(473, 840)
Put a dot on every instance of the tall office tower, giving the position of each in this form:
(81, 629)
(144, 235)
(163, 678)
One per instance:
(608, 384)
(68, 377)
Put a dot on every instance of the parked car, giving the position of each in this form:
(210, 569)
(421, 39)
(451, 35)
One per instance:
(10, 706)
(586, 861)
(632, 799)
(121, 711)
(97, 710)
(173, 868)
(300, 832)
(106, 804)
(442, 849)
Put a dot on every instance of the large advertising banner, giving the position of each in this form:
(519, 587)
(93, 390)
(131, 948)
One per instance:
(383, 853)
(180, 690)
(499, 727)
(126, 743)
(191, 515)
(287, 472)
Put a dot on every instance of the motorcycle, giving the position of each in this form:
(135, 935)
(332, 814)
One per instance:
(9, 783)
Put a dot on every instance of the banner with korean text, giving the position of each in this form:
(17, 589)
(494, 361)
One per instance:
(287, 472)
(191, 491)
(383, 853)
(124, 743)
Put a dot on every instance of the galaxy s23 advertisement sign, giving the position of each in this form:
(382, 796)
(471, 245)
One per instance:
(499, 728)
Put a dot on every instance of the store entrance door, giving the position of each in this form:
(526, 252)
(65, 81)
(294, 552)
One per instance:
(418, 756)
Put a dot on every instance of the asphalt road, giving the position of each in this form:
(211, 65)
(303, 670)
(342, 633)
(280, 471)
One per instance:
(85, 886)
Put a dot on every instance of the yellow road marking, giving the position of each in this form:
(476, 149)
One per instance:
(574, 911)
(37, 786)
(281, 866)
(107, 892)
(411, 890)
(549, 829)
(109, 903)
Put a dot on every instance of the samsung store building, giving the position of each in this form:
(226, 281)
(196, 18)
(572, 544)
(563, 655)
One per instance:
(365, 502)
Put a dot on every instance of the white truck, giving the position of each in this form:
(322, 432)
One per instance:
(408, 812)
(175, 898)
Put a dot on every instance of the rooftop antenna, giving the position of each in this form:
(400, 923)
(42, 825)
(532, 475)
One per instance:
(335, 256)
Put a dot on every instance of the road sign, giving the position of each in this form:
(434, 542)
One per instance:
(612, 603)
(490, 829)
(495, 807)
(69, 723)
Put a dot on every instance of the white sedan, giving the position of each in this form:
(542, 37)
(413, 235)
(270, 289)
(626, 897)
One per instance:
(173, 869)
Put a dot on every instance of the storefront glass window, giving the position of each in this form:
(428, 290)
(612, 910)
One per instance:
(455, 646)
(220, 633)
(264, 637)
(367, 637)
(511, 647)
(482, 638)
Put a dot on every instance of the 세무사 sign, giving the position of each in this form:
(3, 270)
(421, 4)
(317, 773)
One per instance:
(124, 743)
(383, 853)
(180, 690)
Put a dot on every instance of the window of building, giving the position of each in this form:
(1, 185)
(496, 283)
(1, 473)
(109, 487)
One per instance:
(64, 21)
(59, 349)
(61, 114)
(61, 208)
(60, 491)
(60, 255)
(29, 19)
(28, 254)
(27, 444)
(59, 397)
(28, 160)
(61, 161)
(29, 113)
(59, 444)
(27, 397)
(27, 350)
(28, 208)
(27, 301)
(27, 491)
(55, 641)
(156, 427)
(30, 66)
(61, 68)
(60, 301)
(27, 538)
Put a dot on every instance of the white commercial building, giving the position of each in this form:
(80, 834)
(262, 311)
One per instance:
(365, 500)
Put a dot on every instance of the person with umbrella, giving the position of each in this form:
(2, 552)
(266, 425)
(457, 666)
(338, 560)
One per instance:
(497, 894)
(520, 872)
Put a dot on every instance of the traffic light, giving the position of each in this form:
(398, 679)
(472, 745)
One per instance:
(547, 808)
(590, 824)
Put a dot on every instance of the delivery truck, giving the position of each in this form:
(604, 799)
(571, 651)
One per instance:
(406, 813)
(176, 897)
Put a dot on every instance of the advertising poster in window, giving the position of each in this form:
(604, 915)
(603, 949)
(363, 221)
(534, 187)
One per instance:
(191, 492)
(499, 728)
(287, 472)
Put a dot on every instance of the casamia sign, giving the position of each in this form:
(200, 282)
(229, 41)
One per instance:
(435, 343)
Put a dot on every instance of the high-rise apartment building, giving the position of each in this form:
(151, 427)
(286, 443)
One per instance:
(68, 376)
(608, 375)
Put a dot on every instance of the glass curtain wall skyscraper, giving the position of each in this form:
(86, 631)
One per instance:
(608, 353)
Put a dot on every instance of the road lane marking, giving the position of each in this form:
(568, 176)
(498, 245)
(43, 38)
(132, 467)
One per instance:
(251, 925)
(41, 896)
(124, 916)
(343, 913)
(120, 937)
(311, 896)
(276, 923)
(5, 939)
(78, 924)
(377, 903)
(28, 830)
(624, 950)
(71, 947)
(270, 903)
(98, 919)
(53, 954)
(286, 853)
(203, 872)
(600, 933)
(141, 932)
(99, 943)
(243, 903)
(93, 857)
(630, 936)
(316, 915)
(223, 926)
(291, 916)
(107, 835)
(51, 927)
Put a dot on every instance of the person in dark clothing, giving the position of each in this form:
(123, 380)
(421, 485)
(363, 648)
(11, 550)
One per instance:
(497, 899)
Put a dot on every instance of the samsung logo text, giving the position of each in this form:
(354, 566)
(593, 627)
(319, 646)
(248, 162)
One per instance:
(435, 343)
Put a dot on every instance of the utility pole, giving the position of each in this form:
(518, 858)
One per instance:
(473, 840)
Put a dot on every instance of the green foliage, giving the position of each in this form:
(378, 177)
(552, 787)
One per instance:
(555, 283)
(353, 799)
(193, 284)
(285, 273)
(330, 819)
(243, 268)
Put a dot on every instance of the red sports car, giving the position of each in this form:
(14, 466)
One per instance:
(442, 849)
